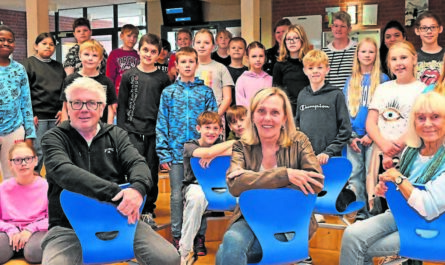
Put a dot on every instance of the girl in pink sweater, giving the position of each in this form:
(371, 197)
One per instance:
(255, 79)
(23, 207)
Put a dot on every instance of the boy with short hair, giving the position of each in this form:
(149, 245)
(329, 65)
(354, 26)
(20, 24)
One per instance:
(82, 32)
(125, 57)
(180, 106)
(162, 62)
(222, 39)
(321, 109)
(183, 39)
(236, 117)
(207, 147)
(237, 51)
(137, 111)
(90, 56)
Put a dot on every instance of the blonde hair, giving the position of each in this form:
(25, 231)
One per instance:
(87, 84)
(404, 44)
(425, 103)
(93, 45)
(20, 145)
(355, 83)
(251, 136)
(316, 57)
(440, 85)
(205, 31)
(224, 32)
(305, 46)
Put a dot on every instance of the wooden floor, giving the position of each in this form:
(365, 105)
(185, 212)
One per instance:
(324, 246)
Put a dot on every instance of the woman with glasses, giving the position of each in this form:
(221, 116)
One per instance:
(288, 71)
(23, 207)
(430, 55)
(341, 50)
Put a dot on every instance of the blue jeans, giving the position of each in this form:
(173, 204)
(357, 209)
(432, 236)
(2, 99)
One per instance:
(239, 245)
(374, 237)
(44, 126)
(61, 246)
(360, 169)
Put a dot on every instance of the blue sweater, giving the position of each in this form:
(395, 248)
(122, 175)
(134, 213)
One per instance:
(181, 103)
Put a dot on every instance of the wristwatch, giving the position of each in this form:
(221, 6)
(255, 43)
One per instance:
(400, 179)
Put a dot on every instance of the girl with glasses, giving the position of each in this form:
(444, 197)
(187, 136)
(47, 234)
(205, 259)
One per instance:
(24, 207)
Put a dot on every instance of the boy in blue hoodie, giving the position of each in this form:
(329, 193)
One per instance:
(181, 103)
(321, 110)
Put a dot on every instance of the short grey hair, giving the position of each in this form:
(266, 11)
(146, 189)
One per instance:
(88, 84)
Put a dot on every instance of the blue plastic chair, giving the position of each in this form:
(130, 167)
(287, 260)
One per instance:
(213, 183)
(336, 172)
(89, 219)
(272, 211)
(419, 239)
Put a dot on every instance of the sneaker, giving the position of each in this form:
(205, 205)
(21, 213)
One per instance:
(199, 246)
(149, 219)
(189, 259)
(319, 218)
(391, 260)
(176, 242)
(308, 260)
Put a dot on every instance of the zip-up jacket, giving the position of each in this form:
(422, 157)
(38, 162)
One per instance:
(181, 103)
(94, 171)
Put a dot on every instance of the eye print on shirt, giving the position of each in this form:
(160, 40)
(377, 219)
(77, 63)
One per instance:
(391, 113)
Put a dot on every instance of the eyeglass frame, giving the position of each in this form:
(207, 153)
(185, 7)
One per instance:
(292, 40)
(85, 103)
(19, 161)
(426, 29)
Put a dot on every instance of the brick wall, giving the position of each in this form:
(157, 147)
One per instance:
(387, 10)
(16, 20)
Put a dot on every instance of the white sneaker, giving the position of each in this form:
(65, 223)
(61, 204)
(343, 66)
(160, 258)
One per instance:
(189, 259)
(319, 218)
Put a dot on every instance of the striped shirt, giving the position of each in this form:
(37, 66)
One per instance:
(340, 62)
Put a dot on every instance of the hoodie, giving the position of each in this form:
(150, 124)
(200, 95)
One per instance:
(248, 84)
(324, 118)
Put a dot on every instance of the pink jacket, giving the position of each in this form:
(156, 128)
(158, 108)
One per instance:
(248, 84)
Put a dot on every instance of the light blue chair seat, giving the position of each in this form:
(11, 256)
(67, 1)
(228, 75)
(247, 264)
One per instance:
(419, 239)
(213, 183)
(90, 220)
(272, 211)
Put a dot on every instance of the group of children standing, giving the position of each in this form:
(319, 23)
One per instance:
(339, 97)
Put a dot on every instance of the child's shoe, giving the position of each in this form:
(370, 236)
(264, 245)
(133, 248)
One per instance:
(199, 246)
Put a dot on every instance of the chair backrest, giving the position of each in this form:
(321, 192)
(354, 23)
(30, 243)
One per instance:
(419, 239)
(104, 233)
(272, 211)
(336, 172)
(213, 183)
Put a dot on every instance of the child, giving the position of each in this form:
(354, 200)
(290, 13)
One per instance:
(82, 32)
(321, 110)
(341, 50)
(237, 50)
(255, 79)
(431, 56)
(221, 55)
(162, 62)
(137, 111)
(272, 54)
(180, 106)
(358, 92)
(389, 109)
(24, 207)
(393, 32)
(183, 39)
(16, 118)
(90, 54)
(214, 74)
(207, 147)
(288, 71)
(236, 118)
(45, 80)
(124, 58)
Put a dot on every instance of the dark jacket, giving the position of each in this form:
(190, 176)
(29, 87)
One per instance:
(94, 171)
(249, 157)
(324, 118)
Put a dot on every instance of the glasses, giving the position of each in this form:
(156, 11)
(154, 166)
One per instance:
(292, 40)
(10, 41)
(91, 105)
(426, 29)
(19, 161)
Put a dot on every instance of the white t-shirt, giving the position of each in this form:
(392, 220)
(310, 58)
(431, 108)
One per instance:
(216, 76)
(394, 102)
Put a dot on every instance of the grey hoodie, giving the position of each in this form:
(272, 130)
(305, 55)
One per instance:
(323, 117)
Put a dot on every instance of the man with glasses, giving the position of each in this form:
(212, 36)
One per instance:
(86, 156)
(341, 50)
